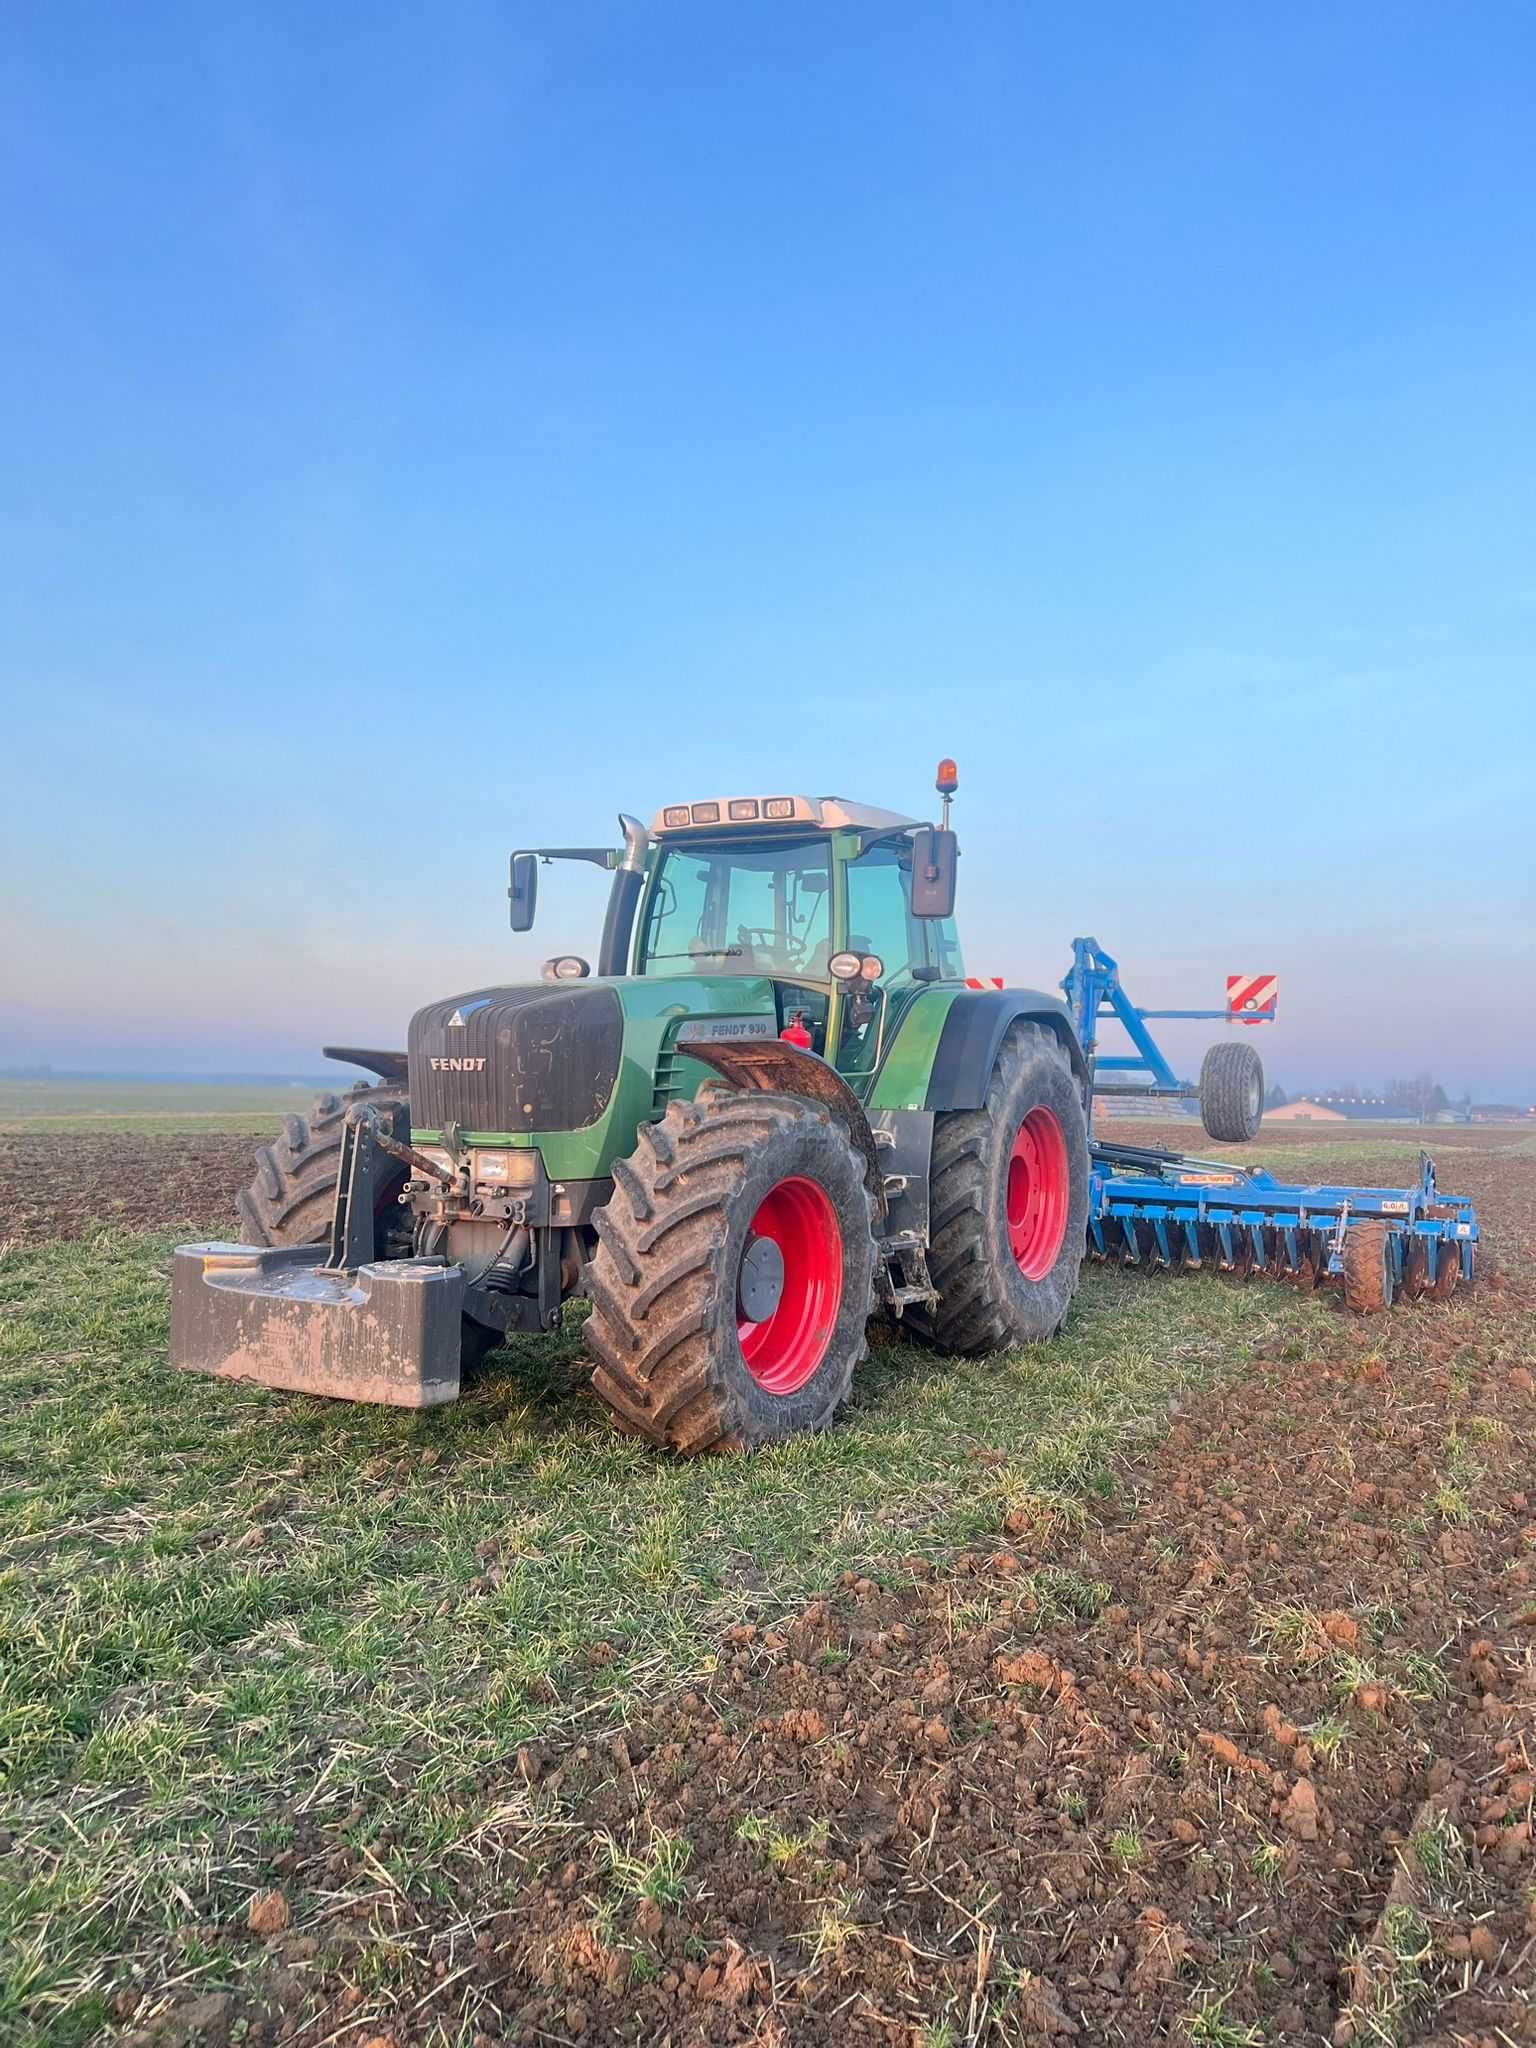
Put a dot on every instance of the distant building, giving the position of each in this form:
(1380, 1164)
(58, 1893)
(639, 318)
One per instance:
(1304, 1111)
(1500, 1113)
(1368, 1109)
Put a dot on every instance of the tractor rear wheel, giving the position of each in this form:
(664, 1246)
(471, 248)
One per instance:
(1008, 1202)
(1232, 1092)
(294, 1190)
(733, 1274)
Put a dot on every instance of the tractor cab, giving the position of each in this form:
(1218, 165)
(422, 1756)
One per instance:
(814, 895)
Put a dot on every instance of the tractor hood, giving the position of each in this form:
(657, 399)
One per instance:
(543, 1057)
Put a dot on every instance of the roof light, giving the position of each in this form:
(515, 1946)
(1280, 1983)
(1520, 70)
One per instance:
(676, 814)
(741, 808)
(779, 807)
(706, 814)
(948, 778)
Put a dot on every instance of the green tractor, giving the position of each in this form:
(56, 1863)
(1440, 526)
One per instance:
(777, 1108)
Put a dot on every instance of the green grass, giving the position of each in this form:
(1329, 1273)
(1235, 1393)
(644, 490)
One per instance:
(227, 1617)
(152, 1108)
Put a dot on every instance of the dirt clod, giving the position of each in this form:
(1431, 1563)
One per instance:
(268, 1913)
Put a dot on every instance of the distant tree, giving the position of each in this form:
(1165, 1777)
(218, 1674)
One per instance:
(1276, 1098)
(1416, 1097)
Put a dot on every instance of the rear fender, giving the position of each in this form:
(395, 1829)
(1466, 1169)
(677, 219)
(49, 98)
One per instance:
(973, 1034)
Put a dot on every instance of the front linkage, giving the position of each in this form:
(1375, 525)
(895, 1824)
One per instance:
(334, 1319)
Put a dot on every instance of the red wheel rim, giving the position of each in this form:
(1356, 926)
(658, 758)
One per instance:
(785, 1348)
(1039, 1193)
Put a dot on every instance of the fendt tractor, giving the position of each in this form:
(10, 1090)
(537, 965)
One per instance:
(777, 1107)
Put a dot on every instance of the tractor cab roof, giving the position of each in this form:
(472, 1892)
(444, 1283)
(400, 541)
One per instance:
(752, 813)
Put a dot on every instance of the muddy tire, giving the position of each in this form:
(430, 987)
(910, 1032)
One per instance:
(1232, 1092)
(1008, 1203)
(1368, 1282)
(733, 1275)
(290, 1199)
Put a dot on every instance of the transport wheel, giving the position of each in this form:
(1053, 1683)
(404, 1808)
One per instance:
(294, 1190)
(733, 1275)
(1368, 1282)
(1232, 1092)
(1008, 1203)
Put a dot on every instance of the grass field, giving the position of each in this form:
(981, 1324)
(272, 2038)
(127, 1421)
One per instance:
(228, 1617)
(217, 1606)
(149, 1108)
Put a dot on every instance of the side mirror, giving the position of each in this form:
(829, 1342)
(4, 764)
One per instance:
(935, 855)
(524, 892)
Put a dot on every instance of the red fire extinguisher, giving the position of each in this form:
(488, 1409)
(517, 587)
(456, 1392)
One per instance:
(795, 1033)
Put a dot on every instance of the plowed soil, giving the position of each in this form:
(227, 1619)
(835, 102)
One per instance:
(1245, 1752)
(59, 1184)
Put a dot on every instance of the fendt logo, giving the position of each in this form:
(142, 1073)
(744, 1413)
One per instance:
(447, 1066)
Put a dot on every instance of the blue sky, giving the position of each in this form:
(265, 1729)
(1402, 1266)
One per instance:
(427, 430)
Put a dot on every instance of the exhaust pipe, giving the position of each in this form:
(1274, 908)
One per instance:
(623, 897)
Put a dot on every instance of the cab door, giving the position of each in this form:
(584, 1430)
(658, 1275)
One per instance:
(878, 922)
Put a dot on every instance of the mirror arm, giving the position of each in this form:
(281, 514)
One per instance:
(600, 856)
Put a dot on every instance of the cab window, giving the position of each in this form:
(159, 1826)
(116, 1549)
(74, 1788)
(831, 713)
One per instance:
(740, 909)
(880, 919)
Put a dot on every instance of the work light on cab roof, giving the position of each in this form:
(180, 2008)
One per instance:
(821, 813)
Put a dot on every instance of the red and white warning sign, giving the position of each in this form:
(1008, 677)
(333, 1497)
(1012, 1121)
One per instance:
(983, 981)
(1250, 993)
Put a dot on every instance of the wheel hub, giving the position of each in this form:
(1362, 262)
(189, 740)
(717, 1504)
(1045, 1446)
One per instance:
(789, 1285)
(760, 1285)
(1038, 1193)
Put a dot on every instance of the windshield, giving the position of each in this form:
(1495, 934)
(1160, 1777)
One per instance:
(740, 909)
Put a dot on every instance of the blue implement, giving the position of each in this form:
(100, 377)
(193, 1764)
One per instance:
(1150, 1206)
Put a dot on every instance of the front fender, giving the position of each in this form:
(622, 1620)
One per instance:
(779, 1069)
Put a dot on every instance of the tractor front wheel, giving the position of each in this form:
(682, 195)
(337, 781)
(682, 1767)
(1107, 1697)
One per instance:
(1008, 1203)
(733, 1274)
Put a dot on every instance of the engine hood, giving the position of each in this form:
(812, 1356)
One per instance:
(543, 1057)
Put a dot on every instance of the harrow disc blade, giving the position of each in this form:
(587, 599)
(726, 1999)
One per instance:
(1415, 1269)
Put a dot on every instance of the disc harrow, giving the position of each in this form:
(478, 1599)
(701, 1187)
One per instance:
(1153, 1208)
